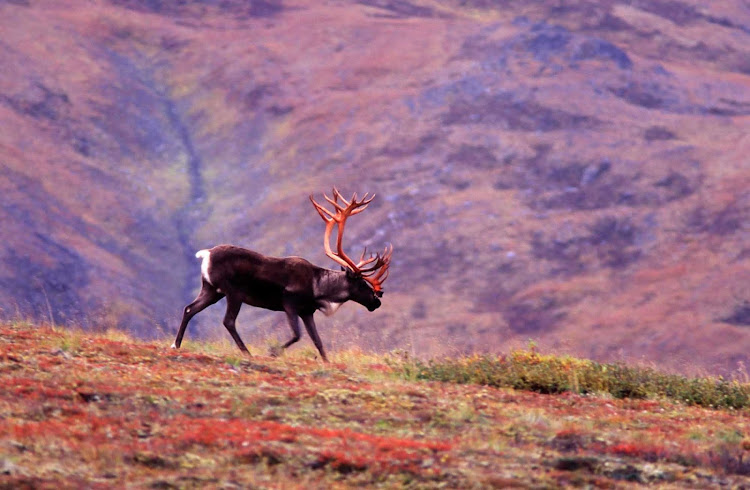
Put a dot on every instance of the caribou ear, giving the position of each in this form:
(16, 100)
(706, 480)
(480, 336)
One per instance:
(379, 294)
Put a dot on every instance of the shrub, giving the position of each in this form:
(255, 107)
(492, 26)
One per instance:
(529, 370)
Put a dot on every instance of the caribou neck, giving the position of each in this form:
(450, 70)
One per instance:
(331, 286)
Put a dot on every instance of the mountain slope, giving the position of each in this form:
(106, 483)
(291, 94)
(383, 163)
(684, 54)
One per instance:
(576, 174)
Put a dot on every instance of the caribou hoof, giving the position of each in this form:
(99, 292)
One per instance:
(275, 351)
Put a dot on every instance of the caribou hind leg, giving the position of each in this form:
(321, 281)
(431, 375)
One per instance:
(208, 296)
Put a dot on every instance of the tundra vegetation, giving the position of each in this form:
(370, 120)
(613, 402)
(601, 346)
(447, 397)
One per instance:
(104, 410)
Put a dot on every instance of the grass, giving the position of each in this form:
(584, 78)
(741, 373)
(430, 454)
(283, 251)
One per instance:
(529, 370)
(104, 410)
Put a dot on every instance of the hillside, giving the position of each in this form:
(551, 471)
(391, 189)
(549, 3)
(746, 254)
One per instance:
(101, 411)
(576, 174)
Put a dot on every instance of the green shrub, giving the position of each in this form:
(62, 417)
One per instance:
(529, 370)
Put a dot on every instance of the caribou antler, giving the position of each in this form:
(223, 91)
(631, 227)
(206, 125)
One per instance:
(373, 269)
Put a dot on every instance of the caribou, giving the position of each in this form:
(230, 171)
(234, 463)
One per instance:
(291, 284)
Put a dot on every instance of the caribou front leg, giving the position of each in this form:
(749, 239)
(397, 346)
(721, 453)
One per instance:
(293, 320)
(313, 333)
(233, 309)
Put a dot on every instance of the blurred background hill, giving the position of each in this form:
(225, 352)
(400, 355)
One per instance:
(576, 173)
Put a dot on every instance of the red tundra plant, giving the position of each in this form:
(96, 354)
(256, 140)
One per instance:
(212, 431)
(647, 451)
(341, 449)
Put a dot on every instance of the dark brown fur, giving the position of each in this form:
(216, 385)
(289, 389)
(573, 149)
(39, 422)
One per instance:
(290, 284)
